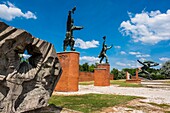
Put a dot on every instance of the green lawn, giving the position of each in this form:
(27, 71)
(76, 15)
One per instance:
(86, 83)
(121, 83)
(90, 102)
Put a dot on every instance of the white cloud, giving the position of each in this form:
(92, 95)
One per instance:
(9, 11)
(121, 64)
(143, 56)
(86, 44)
(147, 27)
(125, 63)
(123, 53)
(142, 59)
(117, 47)
(134, 53)
(164, 59)
(89, 59)
(139, 55)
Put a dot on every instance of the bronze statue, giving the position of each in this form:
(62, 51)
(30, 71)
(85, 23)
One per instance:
(69, 40)
(103, 51)
(146, 65)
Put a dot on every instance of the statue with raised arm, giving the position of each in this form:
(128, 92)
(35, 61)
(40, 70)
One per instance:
(146, 65)
(103, 51)
(69, 39)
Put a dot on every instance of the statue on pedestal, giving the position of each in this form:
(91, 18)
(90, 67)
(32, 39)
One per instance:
(146, 65)
(69, 39)
(103, 51)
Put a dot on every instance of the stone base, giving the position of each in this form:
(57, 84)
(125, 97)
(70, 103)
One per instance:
(101, 77)
(70, 76)
(134, 81)
(106, 66)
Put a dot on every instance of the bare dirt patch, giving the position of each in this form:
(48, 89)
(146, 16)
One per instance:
(136, 106)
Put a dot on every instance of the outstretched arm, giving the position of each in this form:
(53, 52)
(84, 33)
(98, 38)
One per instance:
(73, 9)
(104, 38)
(155, 64)
(77, 27)
(110, 47)
(141, 62)
(69, 21)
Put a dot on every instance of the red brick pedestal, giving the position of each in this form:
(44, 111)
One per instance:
(102, 75)
(107, 66)
(70, 75)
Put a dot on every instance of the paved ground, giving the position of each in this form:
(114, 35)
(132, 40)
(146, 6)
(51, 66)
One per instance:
(158, 93)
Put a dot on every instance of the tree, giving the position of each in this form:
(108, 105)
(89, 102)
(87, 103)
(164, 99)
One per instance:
(115, 71)
(91, 68)
(121, 74)
(165, 69)
(86, 67)
(130, 70)
(81, 68)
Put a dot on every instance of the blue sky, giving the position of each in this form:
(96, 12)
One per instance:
(138, 29)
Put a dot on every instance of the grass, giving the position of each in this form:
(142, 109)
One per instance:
(121, 83)
(86, 83)
(90, 102)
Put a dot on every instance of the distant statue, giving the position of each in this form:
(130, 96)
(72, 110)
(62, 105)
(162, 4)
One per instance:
(103, 51)
(69, 39)
(146, 65)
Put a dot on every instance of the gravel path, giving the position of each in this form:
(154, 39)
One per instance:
(155, 95)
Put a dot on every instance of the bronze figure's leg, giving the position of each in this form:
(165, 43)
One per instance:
(66, 41)
(149, 75)
(106, 58)
(101, 59)
(72, 44)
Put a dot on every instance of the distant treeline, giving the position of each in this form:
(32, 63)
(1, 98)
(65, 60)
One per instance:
(162, 73)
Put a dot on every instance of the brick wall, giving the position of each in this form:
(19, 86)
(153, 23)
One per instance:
(86, 76)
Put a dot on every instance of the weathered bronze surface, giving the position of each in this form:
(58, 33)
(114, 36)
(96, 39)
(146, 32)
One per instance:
(102, 54)
(69, 39)
(146, 65)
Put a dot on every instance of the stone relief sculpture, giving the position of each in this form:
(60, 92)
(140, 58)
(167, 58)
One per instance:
(102, 54)
(25, 85)
(146, 65)
(69, 39)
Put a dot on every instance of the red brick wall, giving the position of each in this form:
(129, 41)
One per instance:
(86, 76)
(89, 76)
(111, 77)
(70, 75)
